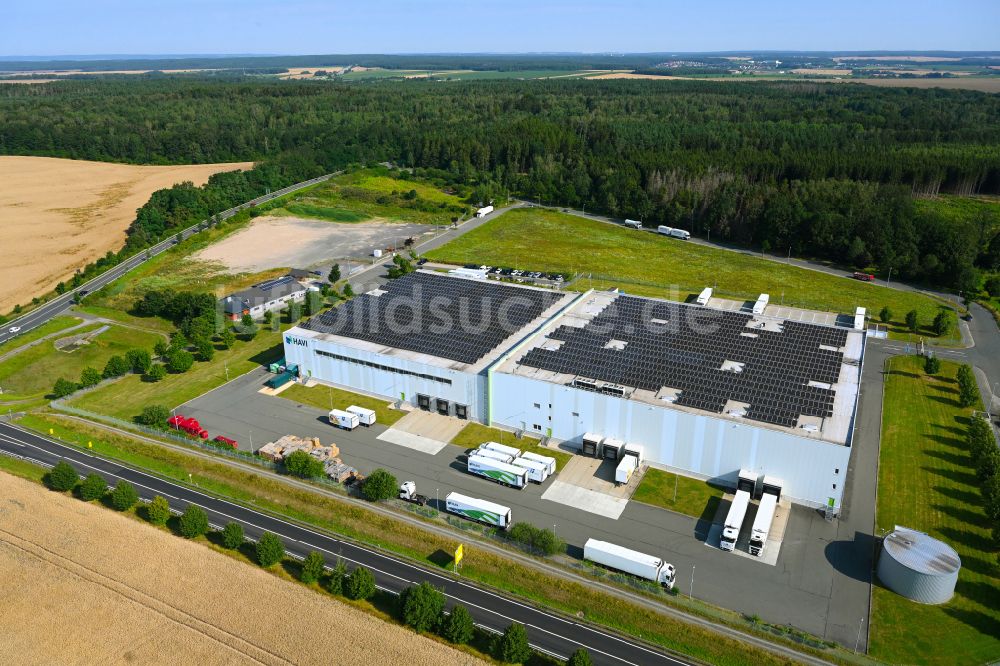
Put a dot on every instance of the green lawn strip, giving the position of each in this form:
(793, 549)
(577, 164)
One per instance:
(324, 396)
(652, 265)
(926, 482)
(387, 532)
(34, 371)
(326, 213)
(114, 314)
(126, 397)
(694, 498)
(22, 468)
(52, 326)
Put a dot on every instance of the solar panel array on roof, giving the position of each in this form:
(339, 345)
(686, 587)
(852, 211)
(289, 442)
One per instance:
(413, 312)
(777, 366)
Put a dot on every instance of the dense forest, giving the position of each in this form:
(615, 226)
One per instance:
(824, 170)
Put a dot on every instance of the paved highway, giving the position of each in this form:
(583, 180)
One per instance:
(549, 633)
(60, 304)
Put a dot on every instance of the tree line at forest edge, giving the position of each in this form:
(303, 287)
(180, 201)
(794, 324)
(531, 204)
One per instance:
(823, 170)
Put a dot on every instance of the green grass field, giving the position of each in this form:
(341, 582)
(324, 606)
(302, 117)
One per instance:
(328, 397)
(926, 482)
(474, 434)
(962, 209)
(126, 397)
(373, 194)
(52, 326)
(694, 498)
(647, 264)
(34, 371)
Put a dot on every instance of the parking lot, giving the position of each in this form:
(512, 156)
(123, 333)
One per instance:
(805, 588)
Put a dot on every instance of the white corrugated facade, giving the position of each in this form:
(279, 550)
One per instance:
(696, 444)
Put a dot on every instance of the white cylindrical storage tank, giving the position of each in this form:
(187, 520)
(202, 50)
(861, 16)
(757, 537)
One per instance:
(918, 566)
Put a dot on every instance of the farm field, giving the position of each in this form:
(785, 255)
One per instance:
(650, 265)
(694, 498)
(328, 397)
(373, 195)
(927, 482)
(33, 372)
(125, 398)
(71, 212)
(85, 569)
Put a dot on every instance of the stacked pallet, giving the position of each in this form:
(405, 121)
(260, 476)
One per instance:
(283, 447)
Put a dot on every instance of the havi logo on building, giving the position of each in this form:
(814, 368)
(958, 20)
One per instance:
(289, 340)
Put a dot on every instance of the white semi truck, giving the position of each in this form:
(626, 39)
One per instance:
(479, 510)
(745, 486)
(630, 561)
(501, 472)
(633, 224)
(345, 420)
(673, 232)
(765, 515)
(484, 211)
(537, 471)
(549, 462)
(365, 416)
(408, 493)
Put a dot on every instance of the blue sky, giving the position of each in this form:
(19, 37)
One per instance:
(56, 27)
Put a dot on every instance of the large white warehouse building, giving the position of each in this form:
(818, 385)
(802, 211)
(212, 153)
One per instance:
(702, 391)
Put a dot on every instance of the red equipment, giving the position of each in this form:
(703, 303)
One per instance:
(864, 277)
(222, 439)
(188, 425)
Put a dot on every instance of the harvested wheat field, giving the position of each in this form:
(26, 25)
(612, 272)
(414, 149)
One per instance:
(58, 215)
(84, 585)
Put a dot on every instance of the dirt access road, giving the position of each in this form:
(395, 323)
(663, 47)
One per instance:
(83, 584)
(58, 215)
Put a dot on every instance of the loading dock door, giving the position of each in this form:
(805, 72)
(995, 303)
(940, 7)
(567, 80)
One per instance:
(442, 406)
(610, 452)
(424, 402)
(461, 411)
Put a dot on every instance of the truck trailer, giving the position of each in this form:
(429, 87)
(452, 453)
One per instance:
(501, 472)
(365, 416)
(549, 462)
(342, 419)
(491, 454)
(762, 524)
(633, 224)
(501, 448)
(626, 468)
(673, 232)
(630, 561)
(734, 520)
(478, 510)
(537, 471)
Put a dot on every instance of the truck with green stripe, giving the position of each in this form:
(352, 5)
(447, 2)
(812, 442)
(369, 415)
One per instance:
(495, 470)
(481, 511)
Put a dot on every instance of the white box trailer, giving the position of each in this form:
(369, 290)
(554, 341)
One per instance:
(501, 472)
(626, 468)
(859, 319)
(492, 455)
(634, 224)
(664, 229)
(481, 511)
(537, 471)
(734, 520)
(705, 296)
(758, 307)
(549, 462)
(762, 523)
(365, 416)
(680, 233)
(630, 561)
(484, 211)
(502, 448)
(345, 420)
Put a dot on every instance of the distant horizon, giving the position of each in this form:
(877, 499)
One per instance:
(404, 27)
(724, 52)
